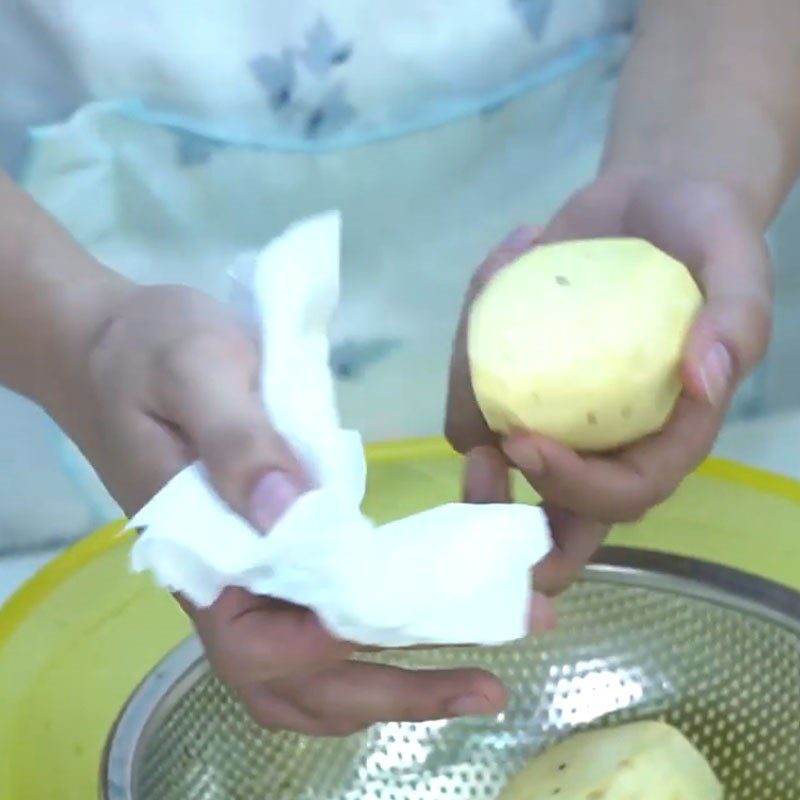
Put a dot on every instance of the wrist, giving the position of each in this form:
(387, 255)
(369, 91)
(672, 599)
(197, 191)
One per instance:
(54, 298)
(630, 180)
(80, 310)
(689, 150)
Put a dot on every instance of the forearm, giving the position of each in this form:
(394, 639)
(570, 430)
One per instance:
(53, 296)
(709, 90)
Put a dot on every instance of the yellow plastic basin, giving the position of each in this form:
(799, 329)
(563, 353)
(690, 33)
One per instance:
(76, 640)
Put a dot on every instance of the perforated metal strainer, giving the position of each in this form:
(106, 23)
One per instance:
(714, 652)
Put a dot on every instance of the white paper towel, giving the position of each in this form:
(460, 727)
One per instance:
(455, 574)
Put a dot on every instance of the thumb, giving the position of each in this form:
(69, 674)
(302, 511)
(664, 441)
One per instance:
(731, 334)
(708, 368)
(219, 413)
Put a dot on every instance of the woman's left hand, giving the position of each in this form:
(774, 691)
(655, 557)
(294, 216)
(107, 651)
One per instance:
(704, 225)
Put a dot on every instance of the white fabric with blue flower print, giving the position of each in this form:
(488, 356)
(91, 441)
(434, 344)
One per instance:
(200, 129)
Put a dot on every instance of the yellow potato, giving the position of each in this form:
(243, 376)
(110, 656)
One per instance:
(639, 761)
(582, 341)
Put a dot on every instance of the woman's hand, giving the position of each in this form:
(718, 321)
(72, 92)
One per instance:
(170, 378)
(702, 224)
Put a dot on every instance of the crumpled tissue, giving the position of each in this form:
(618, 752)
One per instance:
(456, 574)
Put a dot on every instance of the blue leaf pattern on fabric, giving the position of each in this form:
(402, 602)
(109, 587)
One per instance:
(323, 51)
(621, 15)
(535, 14)
(350, 358)
(277, 76)
(332, 114)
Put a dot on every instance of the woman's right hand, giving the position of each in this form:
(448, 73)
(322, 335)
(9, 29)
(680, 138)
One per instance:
(169, 378)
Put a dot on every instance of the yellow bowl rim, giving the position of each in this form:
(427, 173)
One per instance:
(21, 604)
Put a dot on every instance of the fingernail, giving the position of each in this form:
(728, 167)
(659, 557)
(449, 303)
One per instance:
(715, 373)
(524, 453)
(471, 705)
(272, 497)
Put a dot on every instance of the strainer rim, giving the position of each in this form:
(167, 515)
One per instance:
(166, 685)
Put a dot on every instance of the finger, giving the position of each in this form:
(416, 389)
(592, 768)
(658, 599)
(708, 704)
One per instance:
(486, 480)
(362, 694)
(252, 639)
(271, 711)
(730, 259)
(210, 391)
(542, 616)
(486, 477)
(576, 540)
(592, 213)
(731, 334)
(147, 456)
(519, 241)
(465, 426)
(619, 487)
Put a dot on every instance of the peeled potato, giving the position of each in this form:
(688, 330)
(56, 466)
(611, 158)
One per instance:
(640, 761)
(582, 341)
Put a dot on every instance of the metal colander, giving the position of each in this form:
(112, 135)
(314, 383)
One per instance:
(714, 652)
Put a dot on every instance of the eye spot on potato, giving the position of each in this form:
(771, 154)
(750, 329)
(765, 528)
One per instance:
(591, 418)
(626, 412)
(561, 280)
